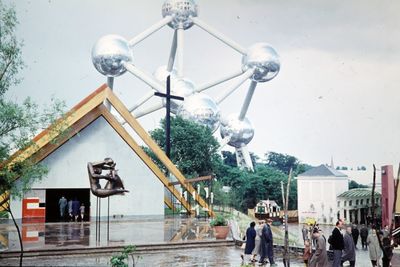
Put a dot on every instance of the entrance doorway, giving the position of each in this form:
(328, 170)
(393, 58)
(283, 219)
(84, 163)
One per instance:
(53, 196)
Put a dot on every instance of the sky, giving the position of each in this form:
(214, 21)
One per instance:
(337, 93)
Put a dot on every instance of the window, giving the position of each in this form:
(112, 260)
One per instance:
(367, 200)
(338, 204)
(350, 202)
(357, 202)
(345, 203)
(362, 201)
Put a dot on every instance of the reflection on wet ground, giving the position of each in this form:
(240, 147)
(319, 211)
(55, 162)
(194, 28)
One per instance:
(82, 234)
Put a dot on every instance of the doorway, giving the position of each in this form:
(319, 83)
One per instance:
(53, 195)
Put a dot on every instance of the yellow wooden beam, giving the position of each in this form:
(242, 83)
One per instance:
(141, 132)
(140, 152)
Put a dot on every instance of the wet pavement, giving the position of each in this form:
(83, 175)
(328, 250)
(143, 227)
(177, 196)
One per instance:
(139, 231)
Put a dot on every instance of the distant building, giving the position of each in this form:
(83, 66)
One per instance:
(355, 205)
(267, 209)
(317, 190)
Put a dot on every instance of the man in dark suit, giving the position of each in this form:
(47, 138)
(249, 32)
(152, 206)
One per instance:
(337, 244)
(267, 243)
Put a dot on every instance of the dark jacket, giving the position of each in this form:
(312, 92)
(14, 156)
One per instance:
(336, 240)
(250, 240)
(364, 233)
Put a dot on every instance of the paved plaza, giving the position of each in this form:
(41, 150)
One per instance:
(141, 231)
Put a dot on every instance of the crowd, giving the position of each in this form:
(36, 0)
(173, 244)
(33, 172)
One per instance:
(259, 243)
(341, 245)
(72, 210)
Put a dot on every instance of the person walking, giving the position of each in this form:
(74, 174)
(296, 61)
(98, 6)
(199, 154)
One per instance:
(70, 209)
(304, 232)
(75, 209)
(349, 251)
(257, 247)
(270, 242)
(320, 256)
(82, 210)
(364, 235)
(62, 204)
(337, 244)
(250, 241)
(387, 251)
(355, 233)
(375, 251)
(307, 252)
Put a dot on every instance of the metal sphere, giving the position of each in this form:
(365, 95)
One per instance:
(180, 87)
(181, 12)
(109, 53)
(202, 109)
(239, 132)
(264, 60)
(161, 74)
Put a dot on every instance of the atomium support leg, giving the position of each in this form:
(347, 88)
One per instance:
(219, 35)
(243, 158)
(144, 77)
(142, 100)
(179, 52)
(247, 100)
(172, 54)
(141, 113)
(242, 78)
(140, 37)
(228, 77)
(110, 84)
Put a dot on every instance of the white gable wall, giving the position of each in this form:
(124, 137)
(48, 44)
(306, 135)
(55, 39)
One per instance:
(67, 169)
(316, 197)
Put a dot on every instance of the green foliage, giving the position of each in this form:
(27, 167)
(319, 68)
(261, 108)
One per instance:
(219, 220)
(284, 162)
(19, 122)
(353, 184)
(121, 260)
(193, 147)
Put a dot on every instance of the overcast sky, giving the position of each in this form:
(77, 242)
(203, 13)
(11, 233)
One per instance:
(337, 93)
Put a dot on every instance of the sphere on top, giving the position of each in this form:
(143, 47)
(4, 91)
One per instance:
(181, 12)
(264, 60)
(239, 132)
(109, 53)
(180, 87)
(202, 109)
(161, 74)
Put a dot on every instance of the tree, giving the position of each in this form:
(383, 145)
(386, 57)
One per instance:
(284, 163)
(18, 122)
(193, 148)
(353, 184)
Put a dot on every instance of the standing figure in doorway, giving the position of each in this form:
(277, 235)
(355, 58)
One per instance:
(75, 209)
(114, 183)
(62, 204)
(82, 210)
(70, 209)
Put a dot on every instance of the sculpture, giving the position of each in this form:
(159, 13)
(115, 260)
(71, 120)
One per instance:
(114, 185)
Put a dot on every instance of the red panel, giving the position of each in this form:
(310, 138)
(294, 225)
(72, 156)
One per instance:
(28, 212)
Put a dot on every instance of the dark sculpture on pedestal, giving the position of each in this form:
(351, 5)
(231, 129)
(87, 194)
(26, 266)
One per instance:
(114, 185)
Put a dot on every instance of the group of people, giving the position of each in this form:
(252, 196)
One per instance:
(73, 210)
(343, 243)
(259, 243)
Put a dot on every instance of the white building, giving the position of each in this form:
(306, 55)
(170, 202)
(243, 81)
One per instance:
(317, 190)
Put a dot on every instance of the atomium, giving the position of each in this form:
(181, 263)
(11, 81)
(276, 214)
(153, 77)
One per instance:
(112, 56)
(109, 53)
(202, 109)
(238, 132)
(181, 12)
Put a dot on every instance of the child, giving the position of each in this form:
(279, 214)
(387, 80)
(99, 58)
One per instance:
(307, 251)
(82, 209)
